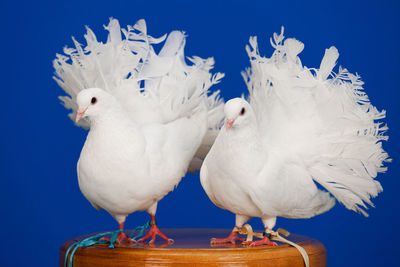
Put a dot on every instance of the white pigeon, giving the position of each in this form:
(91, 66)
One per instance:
(299, 127)
(150, 122)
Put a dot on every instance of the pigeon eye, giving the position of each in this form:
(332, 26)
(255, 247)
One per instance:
(93, 101)
(242, 111)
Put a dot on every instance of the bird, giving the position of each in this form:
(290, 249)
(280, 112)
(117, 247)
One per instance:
(151, 118)
(304, 138)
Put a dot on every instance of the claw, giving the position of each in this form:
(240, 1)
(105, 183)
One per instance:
(153, 232)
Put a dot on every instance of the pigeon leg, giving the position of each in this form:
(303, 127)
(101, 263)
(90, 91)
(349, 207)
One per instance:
(122, 237)
(269, 223)
(153, 232)
(240, 220)
(230, 239)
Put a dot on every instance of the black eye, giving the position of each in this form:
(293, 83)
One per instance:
(93, 101)
(242, 111)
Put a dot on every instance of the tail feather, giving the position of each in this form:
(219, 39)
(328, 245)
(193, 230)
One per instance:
(323, 117)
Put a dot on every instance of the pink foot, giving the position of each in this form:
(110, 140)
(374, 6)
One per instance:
(264, 241)
(230, 239)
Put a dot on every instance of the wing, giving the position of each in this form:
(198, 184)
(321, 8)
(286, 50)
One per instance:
(204, 180)
(323, 118)
(171, 146)
(215, 116)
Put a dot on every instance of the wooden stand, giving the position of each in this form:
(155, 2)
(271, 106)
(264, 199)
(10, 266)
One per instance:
(192, 248)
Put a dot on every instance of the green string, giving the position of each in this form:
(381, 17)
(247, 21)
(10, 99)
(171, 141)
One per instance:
(95, 239)
(141, 230)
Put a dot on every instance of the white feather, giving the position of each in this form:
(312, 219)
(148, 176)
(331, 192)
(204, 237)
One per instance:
(152, 87)
(148, 114)
(328, 122)
(301, 125)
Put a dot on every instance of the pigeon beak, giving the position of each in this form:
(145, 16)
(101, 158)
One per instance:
(80, 114)
(229, 124)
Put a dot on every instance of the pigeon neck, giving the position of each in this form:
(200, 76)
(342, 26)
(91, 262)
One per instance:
(241, 134)
(112, 118)
(244, 137)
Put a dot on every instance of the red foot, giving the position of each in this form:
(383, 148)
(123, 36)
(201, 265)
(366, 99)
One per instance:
(122, 237)
(153, 232)
(264, 241)
(230, 239)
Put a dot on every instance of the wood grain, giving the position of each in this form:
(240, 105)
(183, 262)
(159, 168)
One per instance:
(192, 248)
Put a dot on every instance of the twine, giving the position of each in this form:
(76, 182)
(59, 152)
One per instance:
(248, 230)
(95, 239)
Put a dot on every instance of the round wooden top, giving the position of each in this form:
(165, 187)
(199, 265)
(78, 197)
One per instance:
(192, 247)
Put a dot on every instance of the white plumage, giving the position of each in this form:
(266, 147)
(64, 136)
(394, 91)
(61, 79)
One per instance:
(148, 120)
(300, 126)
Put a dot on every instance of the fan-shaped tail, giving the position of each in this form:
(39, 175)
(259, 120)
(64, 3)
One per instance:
(324, 118)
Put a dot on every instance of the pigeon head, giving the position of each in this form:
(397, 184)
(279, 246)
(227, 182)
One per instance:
(238, 112)
(92, 102)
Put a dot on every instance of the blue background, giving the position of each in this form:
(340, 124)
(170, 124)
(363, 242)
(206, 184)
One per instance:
(41, 204)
